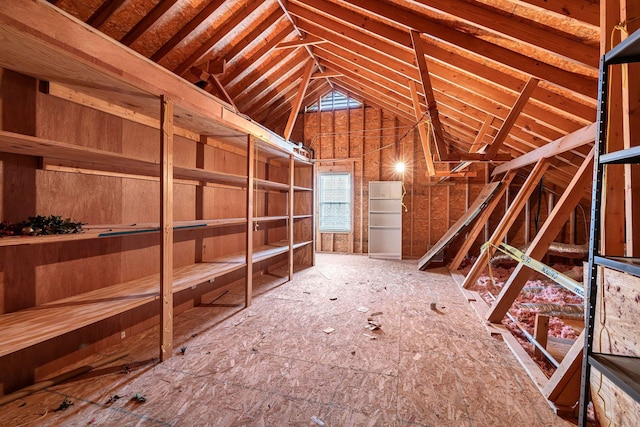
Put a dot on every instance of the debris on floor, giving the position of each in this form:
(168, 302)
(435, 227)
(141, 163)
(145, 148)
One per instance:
(112, 399)
(138, 398)
(328, 330)
(363, 309)
(372, 324)
(66, 403)
(317, 421)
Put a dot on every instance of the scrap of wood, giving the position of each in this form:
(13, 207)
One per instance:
(432, 107)
(512, 117)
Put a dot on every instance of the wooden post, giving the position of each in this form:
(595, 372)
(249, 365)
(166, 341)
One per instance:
(541, 333)
(248, 289)
(291, 213)
(166, 225)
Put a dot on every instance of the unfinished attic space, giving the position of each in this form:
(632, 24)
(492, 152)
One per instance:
(319, 212)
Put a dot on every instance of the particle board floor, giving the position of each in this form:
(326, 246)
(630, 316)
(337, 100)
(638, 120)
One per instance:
(272, 364)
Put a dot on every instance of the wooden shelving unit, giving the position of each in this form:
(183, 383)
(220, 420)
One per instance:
(221, 163)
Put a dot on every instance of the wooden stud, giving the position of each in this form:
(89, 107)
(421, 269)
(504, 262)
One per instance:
(166, 225)
(509, 218)
(541, 242)
(541, 333)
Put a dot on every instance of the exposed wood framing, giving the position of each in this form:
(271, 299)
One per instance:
(510, 216)
(432, 106)
(308, 40)
(147, 22)
(511, 118)
(481, 221)
(104, 12)
(541, 242)
(631, 128)
(424, 135)
(576, 139)
(613, 204)
(251, 158)
(325, 74)
(563, 388)
(166, 225)
(213, 82)
(290, 211)
(186, 30)
(306, 76)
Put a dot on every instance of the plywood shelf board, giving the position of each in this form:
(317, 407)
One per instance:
(32, 146)
(263, 184)
(116, 230)
(29, 327)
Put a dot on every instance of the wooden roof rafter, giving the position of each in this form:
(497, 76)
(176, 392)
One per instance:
(203, 49)
(187, 30)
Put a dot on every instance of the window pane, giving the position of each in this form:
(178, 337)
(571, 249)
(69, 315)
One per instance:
(335, 202)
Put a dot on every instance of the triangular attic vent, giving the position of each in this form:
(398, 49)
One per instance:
(334, 100)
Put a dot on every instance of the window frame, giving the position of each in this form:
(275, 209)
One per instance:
(320, 201)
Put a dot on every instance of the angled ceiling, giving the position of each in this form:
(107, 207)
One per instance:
(480, 56)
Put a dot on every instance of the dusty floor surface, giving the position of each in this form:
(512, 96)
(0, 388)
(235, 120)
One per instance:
(274, 364)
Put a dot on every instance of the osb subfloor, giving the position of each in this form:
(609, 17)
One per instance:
(272, 364)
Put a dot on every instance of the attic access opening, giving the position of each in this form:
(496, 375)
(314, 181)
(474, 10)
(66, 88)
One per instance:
(334, 100)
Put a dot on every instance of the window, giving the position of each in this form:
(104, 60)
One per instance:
(335, 202)
(334, 100)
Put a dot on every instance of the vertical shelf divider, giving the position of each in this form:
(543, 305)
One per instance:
(166, 225)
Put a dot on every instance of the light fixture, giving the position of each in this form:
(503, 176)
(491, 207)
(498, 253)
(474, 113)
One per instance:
(399, 167)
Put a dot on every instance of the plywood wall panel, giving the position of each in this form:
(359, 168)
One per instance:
(141, 142)
(220, 202)
(613, 407)
(66, 121)
(618, 316)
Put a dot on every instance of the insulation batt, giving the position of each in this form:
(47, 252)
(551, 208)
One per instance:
(539, 289)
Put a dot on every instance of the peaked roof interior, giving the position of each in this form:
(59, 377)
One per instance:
(481, 55)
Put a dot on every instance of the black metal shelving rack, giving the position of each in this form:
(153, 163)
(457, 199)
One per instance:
(623, 371)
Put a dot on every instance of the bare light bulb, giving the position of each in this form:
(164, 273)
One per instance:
(399, 167)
